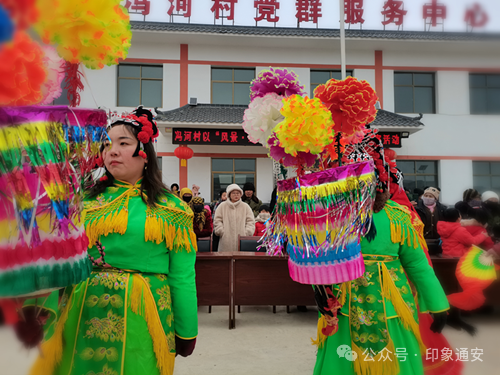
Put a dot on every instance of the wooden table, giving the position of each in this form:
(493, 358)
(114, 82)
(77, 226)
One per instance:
(260, 280)
(214, 272)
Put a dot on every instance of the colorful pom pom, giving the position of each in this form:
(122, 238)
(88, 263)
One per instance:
(278, 80)
(307, 126)
(103, 178)
(94, 32)
(54, 64)
(262, 116)
(142, 154)
(22, 71)
(351, 102)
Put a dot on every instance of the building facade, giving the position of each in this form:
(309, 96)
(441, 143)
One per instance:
(440, 90)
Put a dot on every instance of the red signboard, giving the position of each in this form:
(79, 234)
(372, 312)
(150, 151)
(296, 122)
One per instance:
(393, 12)
(218, 137)
(390, 139)
(266, 9)
(223, 5)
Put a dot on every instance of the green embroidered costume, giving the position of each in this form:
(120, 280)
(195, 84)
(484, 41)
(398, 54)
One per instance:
(124, 318)
(378, 319)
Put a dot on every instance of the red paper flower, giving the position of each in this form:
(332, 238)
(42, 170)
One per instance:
(351, 102)
(23, 12)
(22, 71)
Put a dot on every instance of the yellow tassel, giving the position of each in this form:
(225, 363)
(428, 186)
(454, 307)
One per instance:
(143, 304)
(343, 293)
(321, 338)
(52, 348)
(380, 364)
(390, 292)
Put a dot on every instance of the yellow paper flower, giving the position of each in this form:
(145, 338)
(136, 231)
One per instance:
(93, 32)
(307, 127)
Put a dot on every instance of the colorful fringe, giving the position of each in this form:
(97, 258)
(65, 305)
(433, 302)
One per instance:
(45, 153)
(321, 217)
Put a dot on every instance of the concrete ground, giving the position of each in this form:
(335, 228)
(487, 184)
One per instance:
(266, 343)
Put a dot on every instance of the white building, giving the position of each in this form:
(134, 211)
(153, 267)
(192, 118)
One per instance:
(453, 79)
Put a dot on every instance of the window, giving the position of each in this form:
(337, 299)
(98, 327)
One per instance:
(414, 92)
(418, 173)
(231, 171)
(140, 84)
(486, 175)
(231, 86)
(484, 94)
(319, 77)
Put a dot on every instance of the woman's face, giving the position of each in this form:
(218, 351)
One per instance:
(429, 195)
(174, 189)
(235, 196)
(248, 193)
(118, 157)
(223, 196)
(187, 198)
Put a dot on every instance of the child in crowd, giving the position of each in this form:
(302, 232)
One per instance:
(456, 239)
(477, 224)
(260, 220)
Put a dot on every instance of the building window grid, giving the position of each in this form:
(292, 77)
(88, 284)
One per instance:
(215, 193)
(413, 179)
(486, 175)
(233, 81)
(413, 85)
(140, 79)
(489, 86)
(337, 74)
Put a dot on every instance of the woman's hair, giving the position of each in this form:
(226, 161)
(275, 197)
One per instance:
(152, 184)
(471, 194)
(221, 192)
(451, 215)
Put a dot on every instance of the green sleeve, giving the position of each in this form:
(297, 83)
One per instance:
(182, 283)
(431, 296)
(50, 305)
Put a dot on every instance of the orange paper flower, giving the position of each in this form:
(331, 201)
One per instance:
(22, 71)
(351, 102)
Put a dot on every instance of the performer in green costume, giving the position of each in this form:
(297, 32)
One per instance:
(138, 309)
(378, 324)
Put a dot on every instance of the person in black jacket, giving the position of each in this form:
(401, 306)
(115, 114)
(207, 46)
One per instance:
(430, 211)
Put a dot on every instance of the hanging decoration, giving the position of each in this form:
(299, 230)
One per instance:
(184, 153)
(278, 80)
(46, 155)
(51, 89)
(351, 102)
(320, 217)
(22, 71)
(6, 26)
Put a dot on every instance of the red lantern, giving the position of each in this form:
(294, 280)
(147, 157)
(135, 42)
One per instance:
(183, 152)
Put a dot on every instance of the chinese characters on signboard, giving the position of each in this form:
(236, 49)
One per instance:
(390, 139)
(229, 137)
(433, 12)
